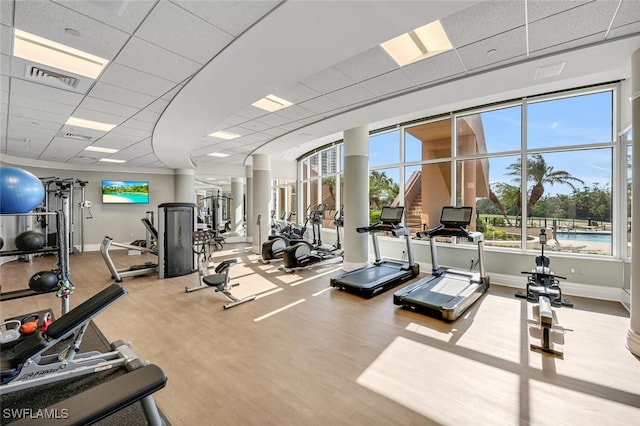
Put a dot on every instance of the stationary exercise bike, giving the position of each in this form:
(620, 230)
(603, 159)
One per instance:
(219, 280)
(305, 255)
(543, 288)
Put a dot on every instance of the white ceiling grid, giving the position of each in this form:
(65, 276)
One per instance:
(155, 47)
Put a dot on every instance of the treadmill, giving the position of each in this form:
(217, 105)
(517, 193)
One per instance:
(383, 274)
(447, 292)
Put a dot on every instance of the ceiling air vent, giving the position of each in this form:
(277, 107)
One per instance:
(76, 136)
(51, 78)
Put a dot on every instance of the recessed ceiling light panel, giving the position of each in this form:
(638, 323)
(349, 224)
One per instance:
(89, 124)
(224, 135)
(416, 45)
(43, 51)
(112, 160)
(101, 149)
(218, 154)
(271, 103)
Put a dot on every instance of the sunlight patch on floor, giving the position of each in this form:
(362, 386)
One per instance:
(423, 379)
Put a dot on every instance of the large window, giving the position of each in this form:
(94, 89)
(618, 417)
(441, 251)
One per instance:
(542, 162)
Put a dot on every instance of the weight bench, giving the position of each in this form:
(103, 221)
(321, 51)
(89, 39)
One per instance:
(28, 367)
(101, 401)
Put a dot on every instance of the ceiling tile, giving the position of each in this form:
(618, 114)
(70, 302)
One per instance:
(389, 83)
(539, 9)
(568, 45)
(494, 49)
(53, 117)
(40, 91)
(136, 150)
(96, 104)
(328, 80)
(5, 64)
(351, 95)
(628, 13)
(6, 12)
(576, 23)
(172, 93)
(99, 116)
(50, 20)
(273, 119)
(139, 125)
(367, 64)
(158, 106)
(30, 102)
(483, 20)
(147, 116)
(38, 136)
(294, 112)
(29, 124)
(166, 25)
(121, 96)
(62, 149)
(434, 68)
(321, 105)
(6, 39)
(125, 15)
(624, 30)
(117, 140)
(296, 93)
(234, 17)
(144, 56)
(137, 81)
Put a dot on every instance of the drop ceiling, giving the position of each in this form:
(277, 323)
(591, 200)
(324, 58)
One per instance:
(180, 70)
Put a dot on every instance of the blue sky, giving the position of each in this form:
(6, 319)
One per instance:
(573, 121)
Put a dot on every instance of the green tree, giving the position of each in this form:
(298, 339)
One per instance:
(382, 189)
(540, 174)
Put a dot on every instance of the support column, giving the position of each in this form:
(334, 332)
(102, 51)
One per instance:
(236, 206)
(249, 201)
(356, 197)
(633, 335)
(184, 186)
(261, 199)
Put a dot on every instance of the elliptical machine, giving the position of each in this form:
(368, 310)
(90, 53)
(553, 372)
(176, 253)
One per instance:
(543, 288)
(273, 248)
(305, 254)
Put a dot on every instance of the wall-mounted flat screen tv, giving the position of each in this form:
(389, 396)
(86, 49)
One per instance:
(125, 192)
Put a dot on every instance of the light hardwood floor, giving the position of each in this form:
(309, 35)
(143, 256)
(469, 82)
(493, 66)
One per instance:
(334, 358)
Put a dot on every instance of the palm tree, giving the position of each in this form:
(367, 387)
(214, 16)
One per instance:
(540, 174)
(381, 188)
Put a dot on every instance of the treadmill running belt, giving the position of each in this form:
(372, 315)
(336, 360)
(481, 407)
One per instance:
(369, 277)
(451, 286)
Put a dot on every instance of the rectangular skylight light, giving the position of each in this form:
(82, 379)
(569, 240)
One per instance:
(272, 103)
(88, 124)
(416, 45)
(224, 135)
(218, 154)
(43, 51)
(101, 149)
(112, 160)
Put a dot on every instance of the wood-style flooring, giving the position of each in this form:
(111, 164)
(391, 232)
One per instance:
(306, 354)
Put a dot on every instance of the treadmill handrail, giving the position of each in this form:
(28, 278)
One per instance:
(458, 231)
(378, 227)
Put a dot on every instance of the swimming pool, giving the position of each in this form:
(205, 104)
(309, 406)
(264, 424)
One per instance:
(597, 237)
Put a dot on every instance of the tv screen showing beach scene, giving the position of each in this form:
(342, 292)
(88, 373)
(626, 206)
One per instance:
(125, 192)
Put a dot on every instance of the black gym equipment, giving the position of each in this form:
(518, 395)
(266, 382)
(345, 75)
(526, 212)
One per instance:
(176, 223)
(29, 241)
(447, 292)
(105, 399)
(219, 280)
(543, 288)
(134, 270)
(306, 255)
(273, 248)
(383, 274)
(28, 367)
(44, 281)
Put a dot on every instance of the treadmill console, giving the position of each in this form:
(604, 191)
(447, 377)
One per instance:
(391, 215)
(456, 217)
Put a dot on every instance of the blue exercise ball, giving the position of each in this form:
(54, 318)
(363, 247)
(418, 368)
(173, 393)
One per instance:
(20, 191)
